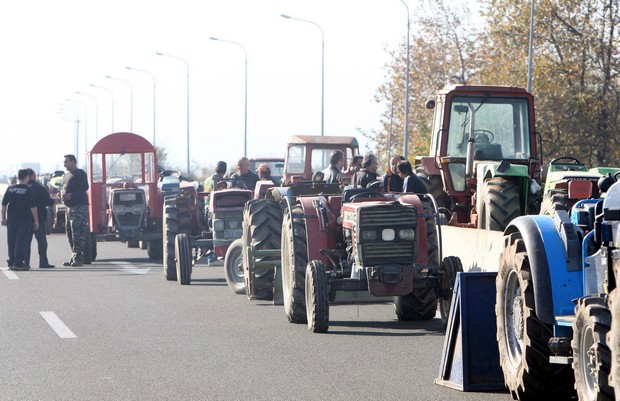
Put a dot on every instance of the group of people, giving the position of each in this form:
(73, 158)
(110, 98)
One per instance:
(363, 172)
(24, 213)
(243, 177)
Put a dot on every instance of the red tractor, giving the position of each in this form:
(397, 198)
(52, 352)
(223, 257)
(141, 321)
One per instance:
(200, 224)
(363, 240)
(125, 204)
(257, 254)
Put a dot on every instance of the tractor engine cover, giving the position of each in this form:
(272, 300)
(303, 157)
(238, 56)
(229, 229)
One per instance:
(383, 240)
(128, 211)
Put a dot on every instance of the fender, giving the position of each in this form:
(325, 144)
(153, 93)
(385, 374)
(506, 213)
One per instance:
(554, 285)
(318, 237)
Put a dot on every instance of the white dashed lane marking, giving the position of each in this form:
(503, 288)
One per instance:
(9, 274)
(55, 323)
(129, 268)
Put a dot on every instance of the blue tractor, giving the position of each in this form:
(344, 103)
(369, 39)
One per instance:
(552, 304)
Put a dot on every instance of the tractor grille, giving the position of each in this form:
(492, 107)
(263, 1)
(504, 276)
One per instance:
(393, 217)
(128, 220)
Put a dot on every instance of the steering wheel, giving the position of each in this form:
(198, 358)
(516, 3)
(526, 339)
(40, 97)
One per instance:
(367, 195)
(567, 158)
(483, 136)
(617, 175)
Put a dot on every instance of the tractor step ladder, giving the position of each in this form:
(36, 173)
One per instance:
(470, 357)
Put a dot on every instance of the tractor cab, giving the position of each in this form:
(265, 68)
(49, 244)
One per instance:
(123, 196)
(482, 134)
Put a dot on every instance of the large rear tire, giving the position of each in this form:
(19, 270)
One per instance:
(556, 199)
(499, 204)
(177, 220)
(233, 267)
(317, 297)
(262, 230)
(183, 259)
(294, 260)
(434, 185)
(421, 303)
(591, 355)
(522, 337)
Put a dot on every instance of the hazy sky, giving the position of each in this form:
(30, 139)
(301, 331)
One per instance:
(51, 49)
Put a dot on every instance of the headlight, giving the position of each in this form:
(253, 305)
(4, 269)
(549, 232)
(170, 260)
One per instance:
(120, 209)
(369, 235)
(406, 234)
(388, 234)
(137, 209)
(218, 224)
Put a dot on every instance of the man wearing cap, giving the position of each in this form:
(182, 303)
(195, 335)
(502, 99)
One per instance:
(220, 171)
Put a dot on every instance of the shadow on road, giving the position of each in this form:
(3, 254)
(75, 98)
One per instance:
(389, 329)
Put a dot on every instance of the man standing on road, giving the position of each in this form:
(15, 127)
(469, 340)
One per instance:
(18, 212)
(42, 199)
(74, 187)
(245, 175)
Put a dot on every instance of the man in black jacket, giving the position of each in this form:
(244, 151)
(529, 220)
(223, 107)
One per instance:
(368, 173)
(42, 199)
(74, 187)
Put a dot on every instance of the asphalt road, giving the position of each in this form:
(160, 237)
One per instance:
(117, 330)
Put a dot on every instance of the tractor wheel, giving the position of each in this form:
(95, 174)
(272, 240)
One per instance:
(133, 244)
(421, 303)
(522, 337)
(451, 266)
(183, 259)
(591, 355)
(434, 185)
(154, 248)
(613, 340)
(88, 248)
(93, 247)
(294, 261)
(499, 204)
(177, 220)
(556, 199)
(317, 297)
(262, 230)
(233, 263)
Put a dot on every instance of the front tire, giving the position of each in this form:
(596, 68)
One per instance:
(613, 340)
(233, 267)
(591, 355)
(451, 266)
(522, 337)
(294, 260)
(177, 220)
(183, 259)
(317, 297)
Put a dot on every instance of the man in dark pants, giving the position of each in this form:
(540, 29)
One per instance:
(43, 199)
(18, 213)
(74, 187)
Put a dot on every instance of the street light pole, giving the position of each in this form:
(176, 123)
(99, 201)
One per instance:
(111, 97)
(322, 67)
(531, 51)
(245, 128)
(154, 100)
(406, 135)
(187, 101)
(77, 125)
(96, 112)
(85, 121)
(130, 99)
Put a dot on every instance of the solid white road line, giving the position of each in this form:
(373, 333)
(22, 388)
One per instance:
(129, 268)
(59, 327)
(9, 274)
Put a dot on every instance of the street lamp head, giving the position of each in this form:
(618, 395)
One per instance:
(285, 16)
(107, 76)
(159, 53)
(213, 38)
(129, 68)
